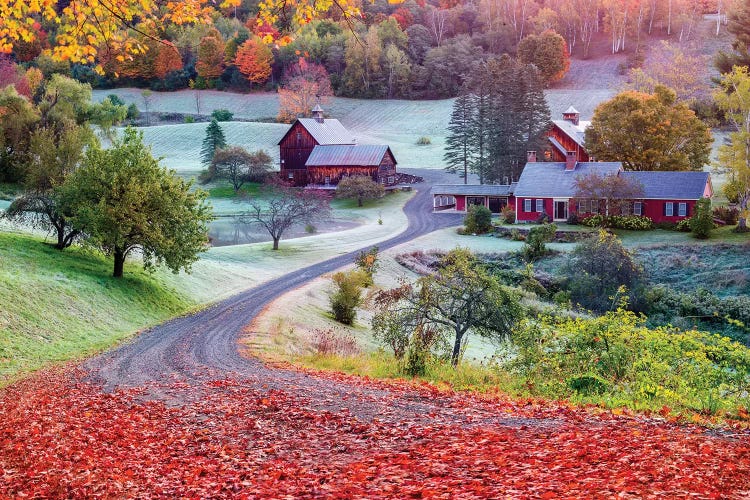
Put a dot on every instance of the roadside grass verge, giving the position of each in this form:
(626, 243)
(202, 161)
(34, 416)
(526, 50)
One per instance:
(57, 306)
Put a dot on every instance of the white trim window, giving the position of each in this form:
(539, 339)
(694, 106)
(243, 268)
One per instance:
(682, 209)
(539, 206)
(669, 209)
(594, 206)
(527, 205)
(583, 206)
(638, 208)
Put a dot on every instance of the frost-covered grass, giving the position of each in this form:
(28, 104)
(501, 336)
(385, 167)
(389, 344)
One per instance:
(396, 122)
(56, 306)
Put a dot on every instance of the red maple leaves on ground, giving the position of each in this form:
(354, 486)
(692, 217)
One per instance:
(63, 437)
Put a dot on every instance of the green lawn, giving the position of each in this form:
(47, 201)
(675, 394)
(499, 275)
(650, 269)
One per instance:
(58, 306)
(225, 190)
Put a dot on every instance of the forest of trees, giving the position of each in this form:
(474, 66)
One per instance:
(410, 49)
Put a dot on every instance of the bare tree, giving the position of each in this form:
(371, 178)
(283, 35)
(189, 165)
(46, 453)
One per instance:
(614, 190)
(282, 206)
(239, 166)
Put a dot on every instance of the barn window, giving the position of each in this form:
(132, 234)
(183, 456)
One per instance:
(327, 180)
(669, 209)
(527, 205)
(638, 208)
(291, 175)
(299, 137)
(539, 206)
(391, 179)
(682, 209)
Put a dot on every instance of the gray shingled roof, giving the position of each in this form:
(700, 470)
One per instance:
(575, 132)
(671, 185)
(343, 155)
(472, 189)
(571, 110)
(550, 179)
(331, 131)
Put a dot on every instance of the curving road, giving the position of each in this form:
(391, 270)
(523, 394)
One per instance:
(204, 346)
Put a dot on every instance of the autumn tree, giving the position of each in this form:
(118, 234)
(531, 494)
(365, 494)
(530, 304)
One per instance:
(615, 191)
(125, 201)
(649, 132)
(669, 65)
(304, 84)
(210, 64)
(17, 118)
(239, 166)
(733, 97)
(548, 52)
(397, 70)
(360, 188)
(213, 141)
(254, 60)
(284, 206)
(363, 71)
(167, 60)
(461, 297)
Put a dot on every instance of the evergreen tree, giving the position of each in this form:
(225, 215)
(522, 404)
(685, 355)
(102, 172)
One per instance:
(214, 140)
(459, 151)
(738, 24)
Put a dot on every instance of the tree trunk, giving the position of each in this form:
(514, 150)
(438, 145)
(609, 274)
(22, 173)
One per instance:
(60, 238)
(276, 243)
(456, 349)
(119, 262)
(359, 201)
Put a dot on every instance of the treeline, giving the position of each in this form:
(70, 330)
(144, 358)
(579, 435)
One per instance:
(414, 49)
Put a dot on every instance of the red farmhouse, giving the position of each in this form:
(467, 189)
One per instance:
(550, 188)
(317, 151)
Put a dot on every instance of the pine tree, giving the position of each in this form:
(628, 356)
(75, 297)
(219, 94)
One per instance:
(214, 140)
(459, 151)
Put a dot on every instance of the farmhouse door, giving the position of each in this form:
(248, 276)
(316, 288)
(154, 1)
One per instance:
(561, 210)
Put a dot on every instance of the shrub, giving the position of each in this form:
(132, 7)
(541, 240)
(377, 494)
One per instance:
(133, 112)
(222, 115)
(347, 295)
(367, 262)
(702, 221)
(189, 119)
(517, 235)
(572, 219)
(543, 218)
(683, 225)
(729, 215)
(478, 220)
(424, 141)
(508, 215)
(332, 342)
(536, 241)
(631, 222)
(617, 355)
(115, 99)
(597, 269)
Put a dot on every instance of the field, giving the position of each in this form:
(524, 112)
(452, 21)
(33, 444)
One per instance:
(63, 305)
(398, 123)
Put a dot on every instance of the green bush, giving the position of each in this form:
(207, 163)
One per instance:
(478, 220)
(189, 119)
(133, 112)
(222, 115)
(617, 356)
(347, 295)
(424, 141)
(536, 241)
(631, 222)
(702, 221)
(683, 225)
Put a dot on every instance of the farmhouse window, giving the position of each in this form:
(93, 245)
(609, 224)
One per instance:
(638, 208)
(682, 209)
(669, 209)
(539, 206)
(594, 206)
(583, 206)
(527, 205)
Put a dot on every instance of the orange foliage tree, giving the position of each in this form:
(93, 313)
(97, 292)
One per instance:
(167, 60)
(303, 83)
(254, 60)
(210, 63)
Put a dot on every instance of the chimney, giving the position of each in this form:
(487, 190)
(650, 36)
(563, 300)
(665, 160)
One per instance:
(317, 113)
(570, 160)
(531, 156)
(572, 115)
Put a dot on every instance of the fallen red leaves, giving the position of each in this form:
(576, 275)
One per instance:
(62, 437)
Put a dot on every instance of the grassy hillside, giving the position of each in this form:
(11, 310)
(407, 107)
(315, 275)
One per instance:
(62, 305)
(399, 123)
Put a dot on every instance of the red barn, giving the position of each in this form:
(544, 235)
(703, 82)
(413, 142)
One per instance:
(318, 151)
(566, 137)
